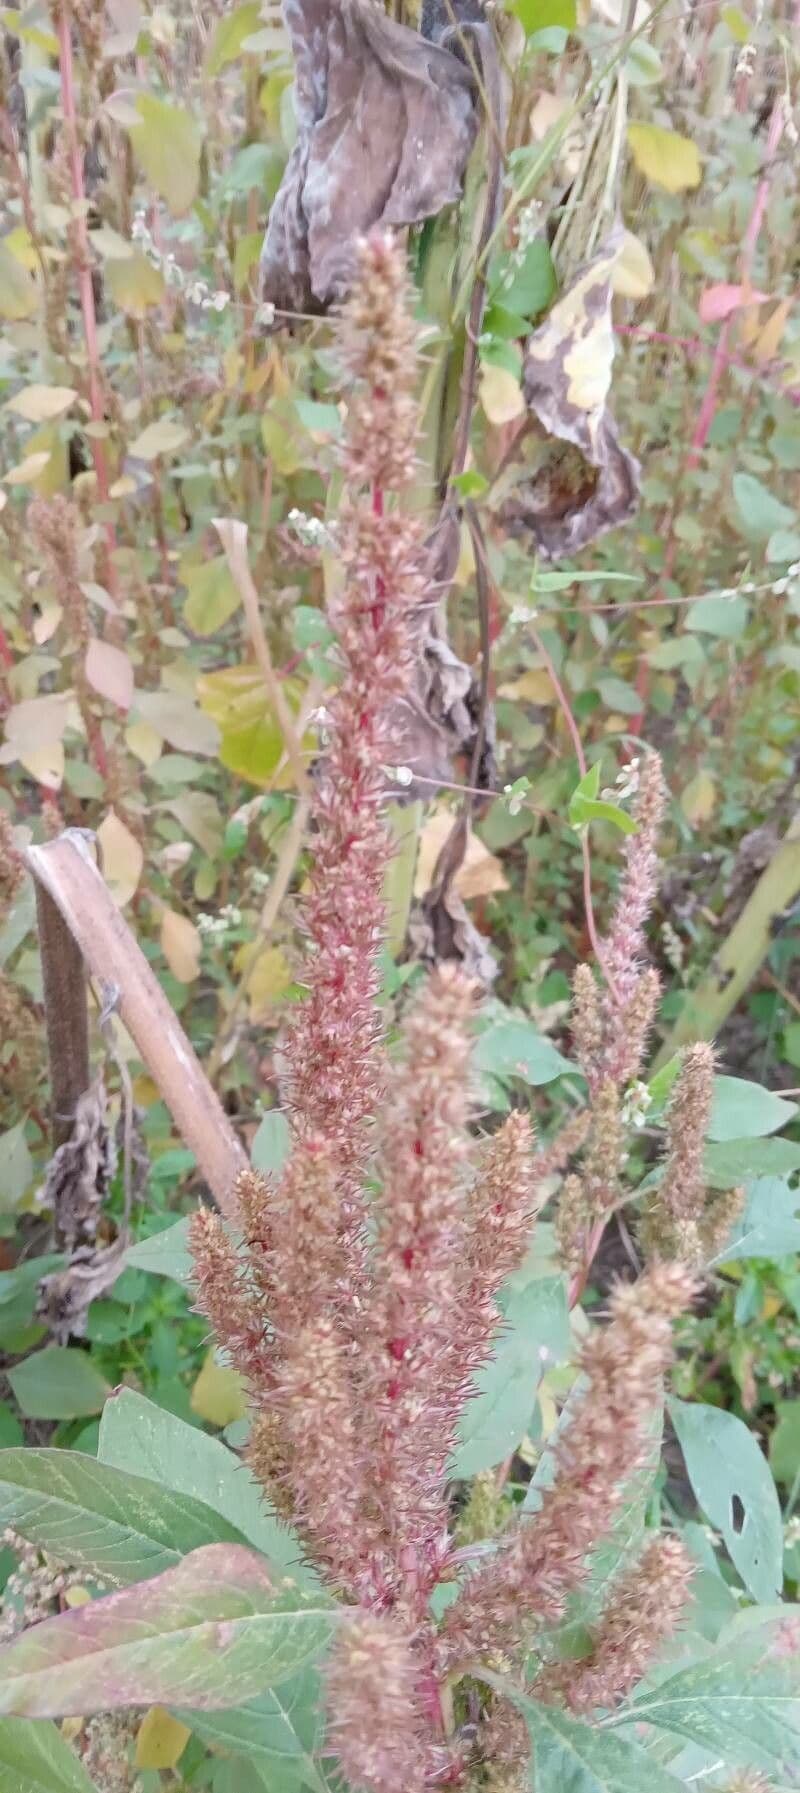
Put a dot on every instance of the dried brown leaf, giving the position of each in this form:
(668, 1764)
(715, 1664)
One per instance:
(585, 482)
(386, 122)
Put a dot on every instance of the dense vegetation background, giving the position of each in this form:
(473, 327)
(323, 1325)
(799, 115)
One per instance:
(169, 495)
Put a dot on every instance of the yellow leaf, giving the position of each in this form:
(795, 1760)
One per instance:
(219, 1394)
(144, 742)
(27, 471)
(269, 979)
(45, 764)
(480, 874)
(160, 1740)
(19, 243)
(40, 404)
(665, 158)
(145, 1092)
(633, 274)
(17, 290)
(699, 798)
(109, 672)
(181, 945)
(502, 397)
(77, 1597)
(134, 284)
(55, 472)
(768, 340)
(163, 437)
(535, 686)
(122, 858)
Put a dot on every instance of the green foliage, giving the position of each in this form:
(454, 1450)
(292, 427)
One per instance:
(213, 1631)
(105, 1520)
(735, 1490)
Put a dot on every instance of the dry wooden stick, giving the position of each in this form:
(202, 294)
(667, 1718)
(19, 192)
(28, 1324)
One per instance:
(66, 874)
(66, 1014)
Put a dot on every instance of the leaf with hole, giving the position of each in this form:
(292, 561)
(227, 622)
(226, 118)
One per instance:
(733, 1486)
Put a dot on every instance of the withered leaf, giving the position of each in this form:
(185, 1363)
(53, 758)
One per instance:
(80, 1171)
(386, 122)
(584, 482)
(440, 929)
(438, 724)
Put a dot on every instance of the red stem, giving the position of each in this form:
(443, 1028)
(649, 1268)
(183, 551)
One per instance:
(84, 269)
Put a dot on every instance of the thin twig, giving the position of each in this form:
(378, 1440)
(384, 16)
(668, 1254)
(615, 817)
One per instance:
(588, 903)
(291, 848)
(233, 536)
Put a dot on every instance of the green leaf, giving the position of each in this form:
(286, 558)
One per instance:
(19, 1288)
(527, 287)
(213, 596)
(760, 513)
(571, 1757)
(164, 1254)
(769, 1226)
(60, 1382)
(784, 1444)
(16, 1168)
(585, 806)
(117, 1525)
(512, 1047)
(11, 1432)
(735, 1490)
(541, 15)
(228, 36)
(783, 546)
(35, 1758)
(279, 1732)
(617, 694)
(212, 1632)
(643, 65)
(723, 617)
(742, 1701)
(139, 1437)
(270, 1148)
(743, 1110)
(167, 146)
(251, 741)
(739, 1160)
(535, 1336)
